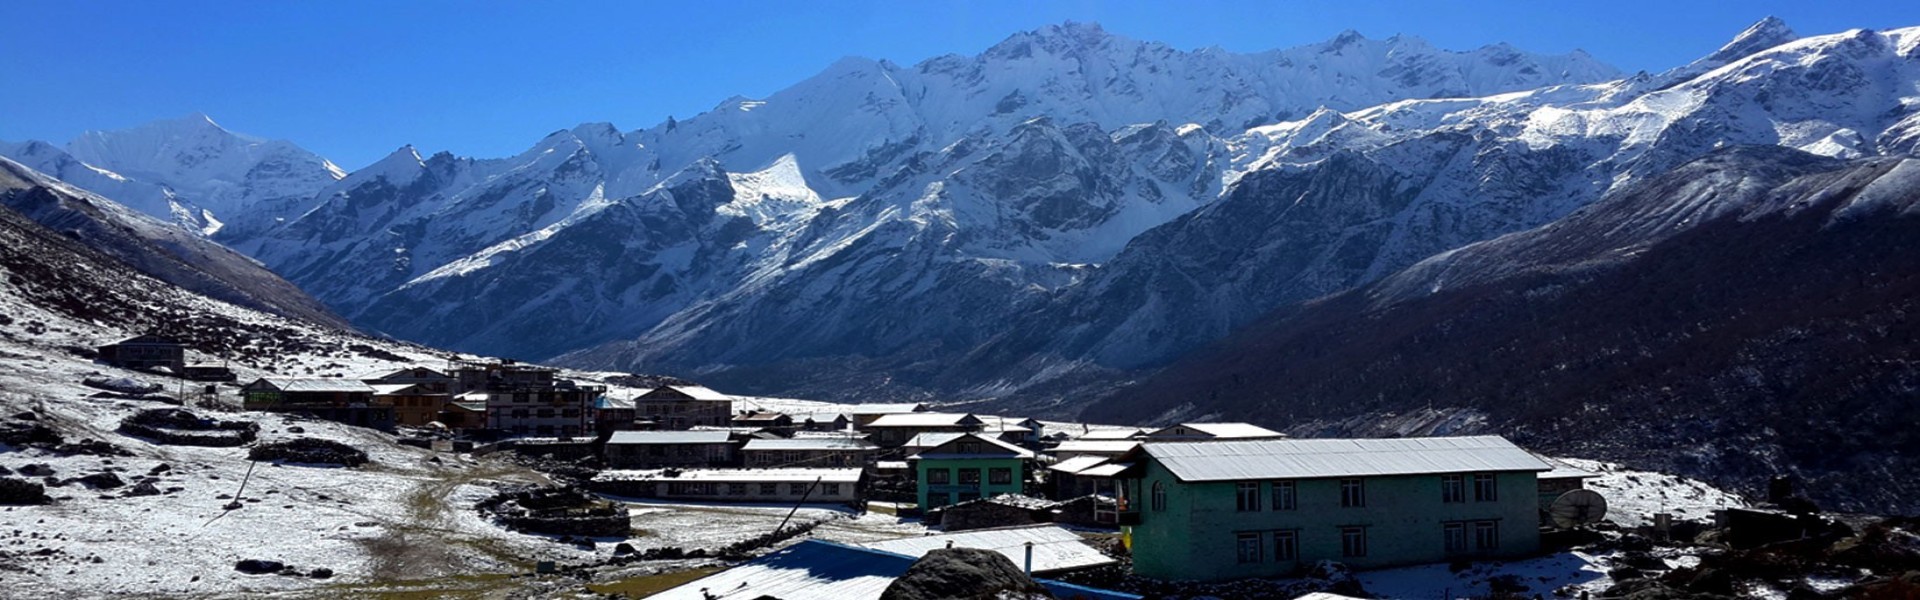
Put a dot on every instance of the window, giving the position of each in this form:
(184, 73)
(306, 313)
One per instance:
(1159, 498)
(969, 496)
(1453, 488)
(769, 489)
(1456, 537)
(1484, 488)
(969, 477)
(1000, 475)
(1285, 496)
(1286, 545)
(1486, 535)
(939, 476)
(1247, 546)
(831, 489)
(1246, 497)
(737, 489)
(796, 488)
(1353, 493)
(969, 447)
(1353, 542)
(937, 499)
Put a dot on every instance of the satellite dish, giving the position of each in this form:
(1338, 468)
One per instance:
(1576, 508)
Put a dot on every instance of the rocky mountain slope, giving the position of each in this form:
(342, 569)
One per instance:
(157, 249)
(1743, 315)
(910, 203)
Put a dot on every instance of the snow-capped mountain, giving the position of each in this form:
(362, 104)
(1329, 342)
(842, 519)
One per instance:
(164, 251)
(954, 187)
(189, 171)
(1742, 316)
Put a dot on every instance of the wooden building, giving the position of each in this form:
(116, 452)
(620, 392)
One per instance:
(893, 430)
(681, 407)
(672, 449)
(344, 400)
(146, 353)
(820, 452)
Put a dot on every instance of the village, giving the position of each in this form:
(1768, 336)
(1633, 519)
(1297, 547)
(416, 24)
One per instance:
(1085, 511)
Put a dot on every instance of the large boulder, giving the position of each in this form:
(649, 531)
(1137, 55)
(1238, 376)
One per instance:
(963, 574)
(20, 492)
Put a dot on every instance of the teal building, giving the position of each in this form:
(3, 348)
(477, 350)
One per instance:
(967, 467)
(1222, 510)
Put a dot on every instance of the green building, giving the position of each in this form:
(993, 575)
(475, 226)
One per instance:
(967, 467)
(1265, 508)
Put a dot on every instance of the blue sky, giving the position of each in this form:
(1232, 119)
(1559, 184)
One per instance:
(354, 80)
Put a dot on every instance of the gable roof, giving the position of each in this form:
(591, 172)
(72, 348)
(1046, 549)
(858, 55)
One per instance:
(314, 384)
(678, 392)
(1115, 447)
(1220, 430)
(931, 439)
(671, 437)
(925, 420)
(413, 373)
(990, 447)
(1321, 458)
(884, 409)
(1054, 548)
(810, 443)
(1110, 434)
(1077, 464)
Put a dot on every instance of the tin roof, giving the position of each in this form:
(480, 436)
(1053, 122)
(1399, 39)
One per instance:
(1115, 447)
(1110, 434)
(318, 384)
(814, 443)
(1319, 458)
(670, 437)
(696, 392)
(1054, 549)
(1221, 430)
(1077, 464)
(924, 420)
(784, 475)
(994, 447)
(931, 439)
(884, 409)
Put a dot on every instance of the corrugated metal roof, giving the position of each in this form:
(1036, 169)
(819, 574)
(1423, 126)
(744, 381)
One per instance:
(1104, 470)
(923, 420)
(850, 475)
(1095, 446)
(1223, 430)
(952, 449)
(1077, 464)
(1563, 470)
(1110, 434)
(1319, 458)
(696, 392)
(390, 389)
(882, 409)
(819, 443)
(931, 439)
(670, 437)
(821, 570)
(319, 384)
(1054, 549)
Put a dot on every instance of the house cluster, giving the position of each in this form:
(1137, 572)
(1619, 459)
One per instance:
(160, 354)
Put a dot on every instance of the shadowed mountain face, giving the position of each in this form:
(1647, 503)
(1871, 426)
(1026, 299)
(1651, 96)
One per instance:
(164, 251)
(1747, 314)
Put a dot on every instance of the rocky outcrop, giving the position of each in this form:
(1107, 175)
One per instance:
(309, 451)
(963, 574)
(181, 427)
(565, 511)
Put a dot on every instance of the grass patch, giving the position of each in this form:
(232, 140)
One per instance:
(647, 585)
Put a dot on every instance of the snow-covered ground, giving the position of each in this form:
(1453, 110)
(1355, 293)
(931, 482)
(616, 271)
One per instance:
(1633, 497)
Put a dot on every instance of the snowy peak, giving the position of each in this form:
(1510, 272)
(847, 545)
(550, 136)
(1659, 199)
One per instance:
(1766, 33)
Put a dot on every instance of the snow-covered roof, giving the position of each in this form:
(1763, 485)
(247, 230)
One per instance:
(1317, 458)
(394, 389)
(1105, 470)
(924, 420)
(696, 392)
(1219, 431)
(951, 448)
(931, 439)
(1562, 470)
(822, 570)
(816, 443)
(318, 384)
(1077, 464)
(1110, 434)
(849, 475)
(605, 402)
(1114, 447)
(884, 409)
(670, 437)
(1054, 549)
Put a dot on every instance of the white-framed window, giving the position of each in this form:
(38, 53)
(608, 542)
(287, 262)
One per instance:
(1247, 547)
(1246, 497)
(1453, 488)
(1286, 545)
(1353, 493)
(1353, 542)
(1486, 535)
(831, 489)
(1485, 488)
(1286, 495)
(1159, 497)
(1455, 535)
